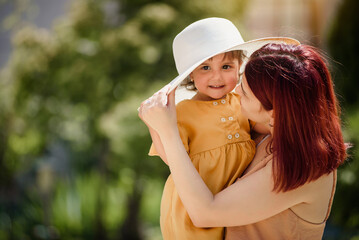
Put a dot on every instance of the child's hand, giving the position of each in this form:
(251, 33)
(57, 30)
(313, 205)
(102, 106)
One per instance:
(159, 111)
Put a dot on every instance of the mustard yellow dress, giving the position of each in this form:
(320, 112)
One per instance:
(216, 137)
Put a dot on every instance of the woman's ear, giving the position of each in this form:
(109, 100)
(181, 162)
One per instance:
(271, 113)
(271, 117)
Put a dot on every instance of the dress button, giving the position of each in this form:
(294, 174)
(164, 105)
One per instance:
(223, 119)
(230, 118)
(215, 103)
(236, 135)
(223, 101)
(229, 136)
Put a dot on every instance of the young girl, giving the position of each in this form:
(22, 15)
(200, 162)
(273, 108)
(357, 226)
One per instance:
(207, 54)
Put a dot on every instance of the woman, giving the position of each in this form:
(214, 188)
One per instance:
(287, 191)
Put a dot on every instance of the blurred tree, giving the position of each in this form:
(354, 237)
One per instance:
(73, 153)
(343, 46)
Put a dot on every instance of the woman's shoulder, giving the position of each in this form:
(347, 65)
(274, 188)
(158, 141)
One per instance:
(318, 196)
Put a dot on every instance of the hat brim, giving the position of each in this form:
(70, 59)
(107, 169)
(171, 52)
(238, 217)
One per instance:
(249, 47)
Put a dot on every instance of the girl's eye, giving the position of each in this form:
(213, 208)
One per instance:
(205, 67)
(226, 67)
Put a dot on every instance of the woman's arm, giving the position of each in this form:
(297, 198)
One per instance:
(246, 201)
(156, 140)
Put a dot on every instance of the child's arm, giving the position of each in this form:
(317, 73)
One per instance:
(157, 144)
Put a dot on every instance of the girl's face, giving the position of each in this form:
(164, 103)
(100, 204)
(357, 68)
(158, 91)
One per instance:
(215, 77)
(250, 105)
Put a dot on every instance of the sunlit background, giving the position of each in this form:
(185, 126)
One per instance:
(73, 153)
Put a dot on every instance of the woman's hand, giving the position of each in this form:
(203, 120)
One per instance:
(159, 111)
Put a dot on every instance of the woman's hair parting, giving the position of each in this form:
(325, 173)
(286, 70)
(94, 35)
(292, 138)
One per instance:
(188, 83)
(295, 82)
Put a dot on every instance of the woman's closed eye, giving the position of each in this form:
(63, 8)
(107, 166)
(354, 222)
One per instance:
(244, 93)
(240, 77)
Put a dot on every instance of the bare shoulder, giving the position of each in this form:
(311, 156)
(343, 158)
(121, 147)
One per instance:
(318, 196)
(314, 198)
(321, 186)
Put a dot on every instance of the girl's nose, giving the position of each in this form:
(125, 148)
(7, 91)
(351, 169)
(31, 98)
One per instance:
(216, 75)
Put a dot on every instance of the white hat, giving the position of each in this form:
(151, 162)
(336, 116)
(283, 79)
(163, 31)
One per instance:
(208, 37)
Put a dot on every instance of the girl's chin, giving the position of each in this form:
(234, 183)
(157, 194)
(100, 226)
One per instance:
(217, 96)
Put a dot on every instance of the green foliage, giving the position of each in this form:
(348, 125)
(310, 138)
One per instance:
(73, 151)
(343, 46)
(345, 211)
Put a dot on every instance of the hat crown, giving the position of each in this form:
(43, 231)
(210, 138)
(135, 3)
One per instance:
(202, 40)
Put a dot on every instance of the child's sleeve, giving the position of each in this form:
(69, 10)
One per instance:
(184, 137)
(152, 151)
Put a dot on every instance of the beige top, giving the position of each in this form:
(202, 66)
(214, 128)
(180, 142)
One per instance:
(285, 225)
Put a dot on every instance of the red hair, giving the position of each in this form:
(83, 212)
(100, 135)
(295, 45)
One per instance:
(295, 82)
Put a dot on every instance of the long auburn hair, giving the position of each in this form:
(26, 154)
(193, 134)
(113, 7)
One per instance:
(295, 82)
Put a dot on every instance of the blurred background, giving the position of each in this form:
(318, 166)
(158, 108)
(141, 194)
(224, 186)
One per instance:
(73, 153)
